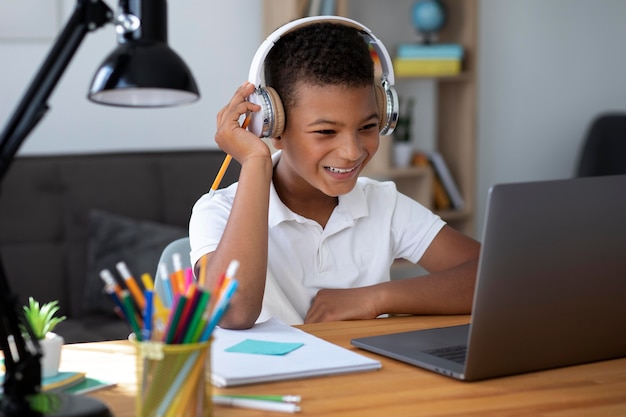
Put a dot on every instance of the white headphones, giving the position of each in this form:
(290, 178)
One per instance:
(269, 122)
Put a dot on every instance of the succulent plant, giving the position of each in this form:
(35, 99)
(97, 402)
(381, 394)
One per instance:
(42, 318)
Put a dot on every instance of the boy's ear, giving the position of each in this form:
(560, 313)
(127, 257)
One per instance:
(277, 142)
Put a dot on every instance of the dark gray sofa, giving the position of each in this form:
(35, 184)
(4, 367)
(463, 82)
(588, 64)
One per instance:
(63, 218)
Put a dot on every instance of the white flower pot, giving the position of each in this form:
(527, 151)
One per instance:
(402, 154)
(51, 359)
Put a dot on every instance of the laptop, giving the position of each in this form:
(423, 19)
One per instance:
(550, 289)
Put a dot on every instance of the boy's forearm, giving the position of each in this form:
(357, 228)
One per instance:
(246, 239)
(447, 292)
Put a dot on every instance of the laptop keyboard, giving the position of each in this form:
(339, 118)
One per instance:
(451, 353)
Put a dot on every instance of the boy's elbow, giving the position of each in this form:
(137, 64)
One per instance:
(238, 320)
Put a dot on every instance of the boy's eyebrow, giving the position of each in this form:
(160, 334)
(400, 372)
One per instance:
(334, 122)
(323, 122)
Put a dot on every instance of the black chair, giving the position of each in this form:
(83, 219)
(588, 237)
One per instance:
(604, 149)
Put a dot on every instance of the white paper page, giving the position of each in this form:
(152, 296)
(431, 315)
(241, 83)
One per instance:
(316, 357)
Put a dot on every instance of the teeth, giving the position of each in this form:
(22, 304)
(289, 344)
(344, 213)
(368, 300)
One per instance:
(339, 170)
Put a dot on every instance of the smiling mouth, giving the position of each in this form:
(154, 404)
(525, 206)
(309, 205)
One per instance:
(340, 170)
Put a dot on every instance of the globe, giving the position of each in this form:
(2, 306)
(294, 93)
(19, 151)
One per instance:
(428, 16)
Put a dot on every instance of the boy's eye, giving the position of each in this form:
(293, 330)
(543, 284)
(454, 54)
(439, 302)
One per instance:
(325, 132)
(370, 126)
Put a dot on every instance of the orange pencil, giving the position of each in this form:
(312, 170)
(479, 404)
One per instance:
(223, 282)
(202, 277)
(178, 276)
(131, 284)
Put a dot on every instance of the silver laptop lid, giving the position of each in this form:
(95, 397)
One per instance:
(551, 288)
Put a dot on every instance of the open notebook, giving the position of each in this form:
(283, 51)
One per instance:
(273, 351)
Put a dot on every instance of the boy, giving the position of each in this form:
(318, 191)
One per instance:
(311, 234)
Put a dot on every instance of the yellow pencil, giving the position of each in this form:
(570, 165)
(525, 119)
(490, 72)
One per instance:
(148, 282)
(226, 162)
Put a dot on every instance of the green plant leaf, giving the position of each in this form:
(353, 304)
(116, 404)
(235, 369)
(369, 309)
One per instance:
(41, 318)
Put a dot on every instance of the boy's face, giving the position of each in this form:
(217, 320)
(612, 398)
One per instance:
(331, 134)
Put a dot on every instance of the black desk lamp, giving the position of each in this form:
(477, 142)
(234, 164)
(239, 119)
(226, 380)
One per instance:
(141, 72)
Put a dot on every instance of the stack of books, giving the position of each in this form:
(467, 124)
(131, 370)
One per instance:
(446, 193)
(418, 60)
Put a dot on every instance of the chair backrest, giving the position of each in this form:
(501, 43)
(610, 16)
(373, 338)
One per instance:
(604, 149)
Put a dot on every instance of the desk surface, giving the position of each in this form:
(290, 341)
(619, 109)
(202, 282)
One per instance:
(395, 390)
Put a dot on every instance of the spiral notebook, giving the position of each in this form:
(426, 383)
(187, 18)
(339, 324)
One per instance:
(274, 351)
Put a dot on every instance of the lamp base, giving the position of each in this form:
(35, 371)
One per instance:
(59, 405)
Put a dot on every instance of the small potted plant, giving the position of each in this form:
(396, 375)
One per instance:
(403, 145)
(42, 320)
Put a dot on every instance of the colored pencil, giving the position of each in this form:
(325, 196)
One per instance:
(131, 314)
(194, 324)
(185, 317)
(148, 314)
(166, 284)
(131, 284)
(172, 325)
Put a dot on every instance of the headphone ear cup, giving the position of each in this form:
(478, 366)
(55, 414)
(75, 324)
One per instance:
(388, 107)
(278, 112)
(381, 102)
(269, 122)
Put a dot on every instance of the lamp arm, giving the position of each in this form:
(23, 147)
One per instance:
(22, 355)
(88, 15)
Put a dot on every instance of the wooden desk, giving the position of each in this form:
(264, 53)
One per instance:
(395, 390)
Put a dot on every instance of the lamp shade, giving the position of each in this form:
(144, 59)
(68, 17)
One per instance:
(143, 73)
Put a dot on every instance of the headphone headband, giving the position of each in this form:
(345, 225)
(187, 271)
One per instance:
(270, 120)
(256, 67)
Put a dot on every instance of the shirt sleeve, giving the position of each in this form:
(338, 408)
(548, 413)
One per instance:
(208, 221)
(413, 228)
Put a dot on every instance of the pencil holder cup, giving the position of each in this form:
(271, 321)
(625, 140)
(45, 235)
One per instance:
(173, 380)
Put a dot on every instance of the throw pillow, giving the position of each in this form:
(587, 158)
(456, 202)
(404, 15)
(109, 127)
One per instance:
(113, 238)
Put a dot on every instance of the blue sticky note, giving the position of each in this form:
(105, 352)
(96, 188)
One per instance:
(263, 347)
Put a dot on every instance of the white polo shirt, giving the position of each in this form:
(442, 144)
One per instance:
(371, 226)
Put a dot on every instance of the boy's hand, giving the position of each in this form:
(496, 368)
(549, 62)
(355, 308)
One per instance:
(231, 137)
(342, 304)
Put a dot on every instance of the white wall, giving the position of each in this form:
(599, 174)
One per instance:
(546, 68)
(216, 39)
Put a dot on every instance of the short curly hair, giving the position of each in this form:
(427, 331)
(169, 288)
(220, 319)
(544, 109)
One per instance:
(318, 54)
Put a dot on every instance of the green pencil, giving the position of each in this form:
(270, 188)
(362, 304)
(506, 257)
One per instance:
(129, 310)
(276, 398)
(175, 318)
(195, 319)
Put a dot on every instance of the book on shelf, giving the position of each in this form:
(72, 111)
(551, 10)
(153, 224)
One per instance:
(413, 59)
(421, 51)
(446, 194)
(430, 67)
(440, 199)
(307, 356)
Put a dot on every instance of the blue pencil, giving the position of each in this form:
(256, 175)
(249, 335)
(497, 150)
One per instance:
(110, 289)
(220, 309)
(168, 296)
(147, 315)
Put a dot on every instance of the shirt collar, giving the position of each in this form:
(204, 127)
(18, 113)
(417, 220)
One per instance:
(352, 205)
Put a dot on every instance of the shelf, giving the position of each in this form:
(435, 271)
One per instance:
(462, 77)
(454, 105)
(393, 173)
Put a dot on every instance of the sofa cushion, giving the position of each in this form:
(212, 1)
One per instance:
(113, 238)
